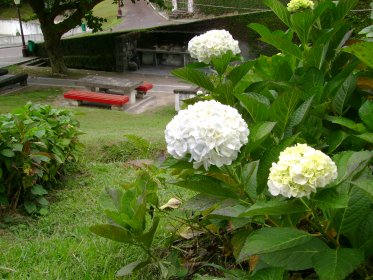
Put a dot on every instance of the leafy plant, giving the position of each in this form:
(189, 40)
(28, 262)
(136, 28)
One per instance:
(308, 93)
(35, 143)
(132, 218)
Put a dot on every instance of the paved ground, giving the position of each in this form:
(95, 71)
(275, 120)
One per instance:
(12, 55)
(140, 15)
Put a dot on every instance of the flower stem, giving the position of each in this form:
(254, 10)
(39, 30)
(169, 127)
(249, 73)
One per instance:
(317, 223)
(238, 182)
(232, 175)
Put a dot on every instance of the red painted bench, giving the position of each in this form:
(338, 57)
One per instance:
(143, 89)
(117, 101)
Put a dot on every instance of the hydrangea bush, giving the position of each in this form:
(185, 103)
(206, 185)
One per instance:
(266, 207)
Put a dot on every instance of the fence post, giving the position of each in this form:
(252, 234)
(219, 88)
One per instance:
(190, 6)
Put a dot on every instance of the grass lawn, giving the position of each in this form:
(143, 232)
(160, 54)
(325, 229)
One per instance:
(107, 9)
(59, 244)
(45, 71)
(11, 12)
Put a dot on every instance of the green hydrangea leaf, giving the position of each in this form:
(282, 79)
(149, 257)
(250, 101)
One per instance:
(267, 240)
(337, 264)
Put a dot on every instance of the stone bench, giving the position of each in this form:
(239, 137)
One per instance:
(182, 94)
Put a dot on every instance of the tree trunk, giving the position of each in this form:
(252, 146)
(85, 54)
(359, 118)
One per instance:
(54, 50)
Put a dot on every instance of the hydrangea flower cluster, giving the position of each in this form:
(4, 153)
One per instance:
(212, 133)
(300, 171)
(295, 5)
(213, 43)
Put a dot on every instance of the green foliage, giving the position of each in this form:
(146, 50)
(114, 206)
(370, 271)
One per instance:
(307, 84)
(98, 62)
(363, 50)
(6, 3)
(132, 216)
(36, 141)
(94, 22)
(337, 263)
(95, 53)
(307, 93)
(268, 240)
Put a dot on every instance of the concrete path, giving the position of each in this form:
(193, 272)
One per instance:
(139, 15)
(11, 56)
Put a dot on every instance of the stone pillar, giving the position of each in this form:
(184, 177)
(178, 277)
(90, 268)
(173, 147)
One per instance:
(190, 6)
(125, 51)
(174, 5)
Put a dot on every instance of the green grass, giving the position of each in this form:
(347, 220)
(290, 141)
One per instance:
(10, 102)
(98, 124)
(106, 9)
(11, 12)
(59, 244)
(44, 72)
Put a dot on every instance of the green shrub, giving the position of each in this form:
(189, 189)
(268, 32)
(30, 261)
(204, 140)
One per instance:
(87, 52)
(35, 143)
(132, 147)
(6, 3)
(97, 62)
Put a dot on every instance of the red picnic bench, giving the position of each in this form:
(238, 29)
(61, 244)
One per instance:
(115, 100)
(142, 89)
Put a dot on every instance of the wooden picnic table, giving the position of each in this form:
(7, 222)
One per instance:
(103, 84)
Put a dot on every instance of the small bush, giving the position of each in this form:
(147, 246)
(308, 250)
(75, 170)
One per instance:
(98, 62)
(131, 148)
(35, 143)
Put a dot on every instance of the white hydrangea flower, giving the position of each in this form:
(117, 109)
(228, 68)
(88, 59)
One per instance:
(213, 43)
(212, 133)
(300, 171)
(295, 5)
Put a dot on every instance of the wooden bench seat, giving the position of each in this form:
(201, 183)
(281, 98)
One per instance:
(15, 79)
(142, 89)
(117, 101)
